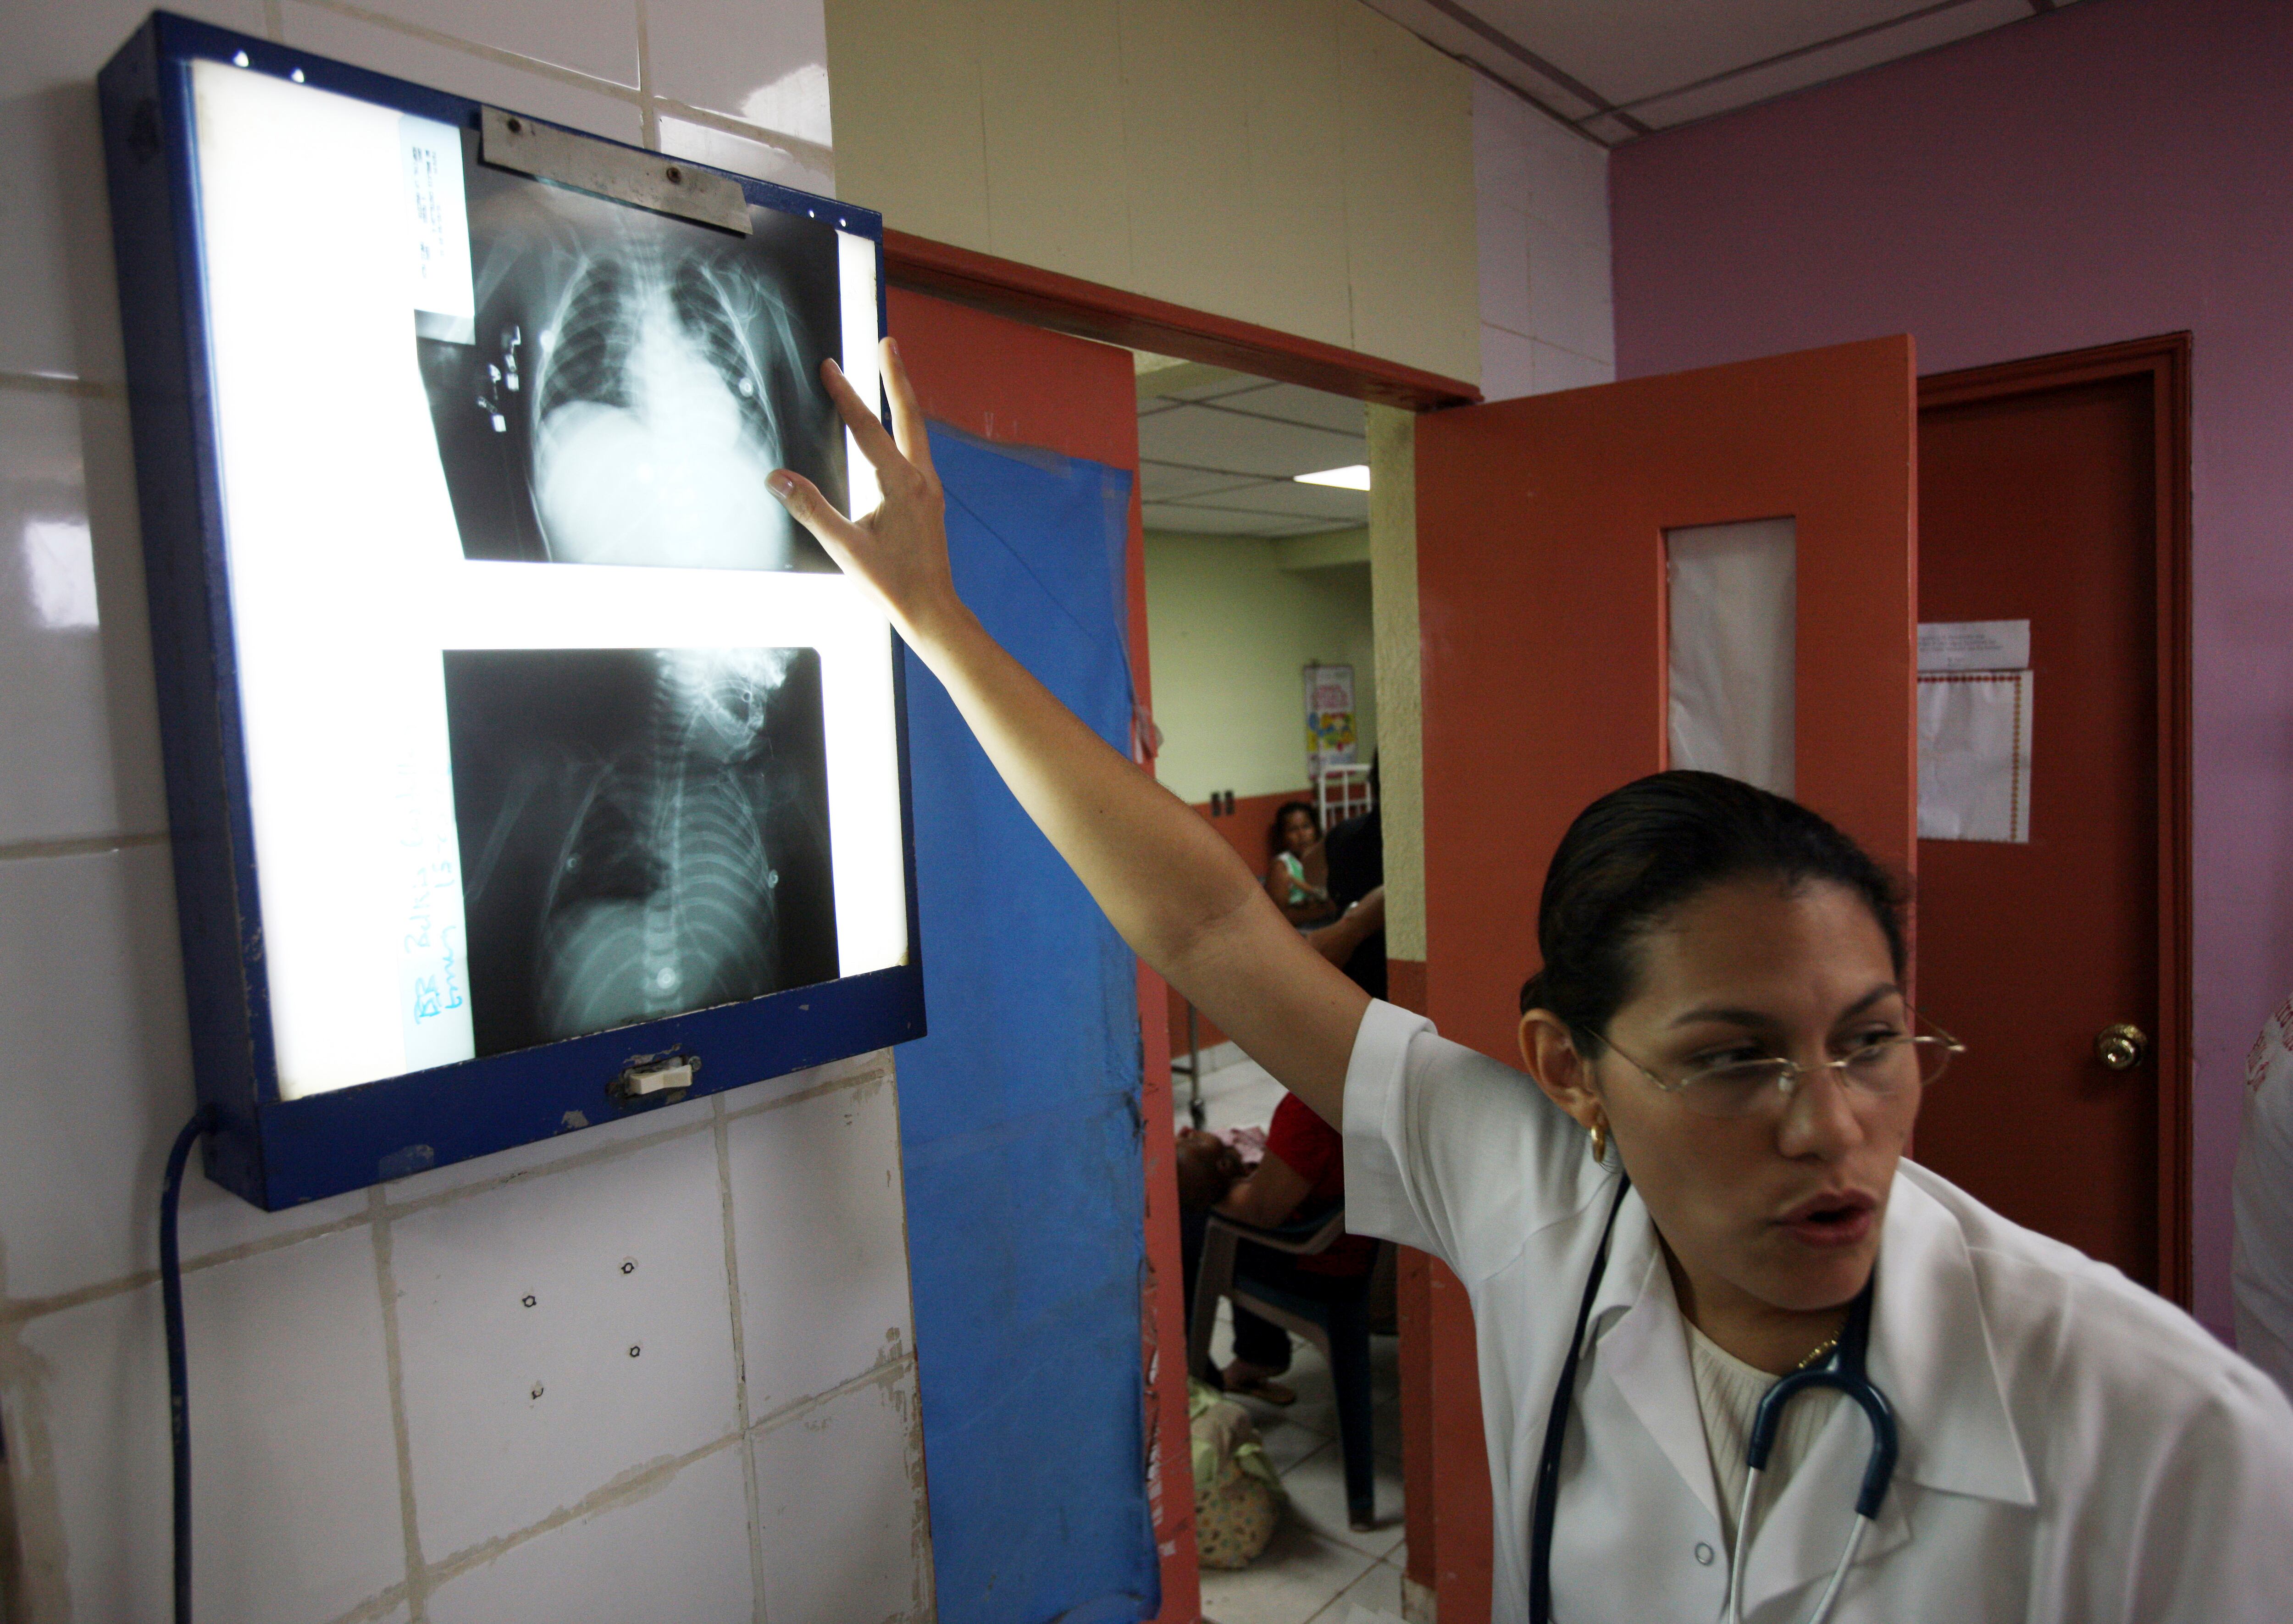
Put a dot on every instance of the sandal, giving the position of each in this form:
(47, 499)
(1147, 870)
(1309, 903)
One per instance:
(1266, 1391)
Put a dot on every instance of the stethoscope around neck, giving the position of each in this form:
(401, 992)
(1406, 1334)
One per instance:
(1841, 1368)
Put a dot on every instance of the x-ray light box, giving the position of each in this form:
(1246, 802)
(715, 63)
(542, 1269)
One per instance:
(527, 766)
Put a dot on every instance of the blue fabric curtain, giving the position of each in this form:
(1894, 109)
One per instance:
(1019, 1113)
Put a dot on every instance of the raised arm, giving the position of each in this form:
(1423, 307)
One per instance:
(1175, 890)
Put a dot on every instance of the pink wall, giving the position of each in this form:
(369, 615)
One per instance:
(2119, 168)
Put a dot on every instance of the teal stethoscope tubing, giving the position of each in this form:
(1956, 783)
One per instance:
(1844, 1369)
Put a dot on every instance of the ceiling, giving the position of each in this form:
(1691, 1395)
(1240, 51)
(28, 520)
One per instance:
(1217, 451)
(1619, 69)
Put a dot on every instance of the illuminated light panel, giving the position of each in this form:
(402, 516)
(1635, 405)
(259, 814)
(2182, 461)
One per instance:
(1353, 476)
(349, 583)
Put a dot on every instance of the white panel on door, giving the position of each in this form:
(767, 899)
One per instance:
(1734, 600)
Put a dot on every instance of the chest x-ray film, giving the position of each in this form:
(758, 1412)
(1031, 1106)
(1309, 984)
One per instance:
(554, 722)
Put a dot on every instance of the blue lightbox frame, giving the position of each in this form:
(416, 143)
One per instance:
(274, 1152)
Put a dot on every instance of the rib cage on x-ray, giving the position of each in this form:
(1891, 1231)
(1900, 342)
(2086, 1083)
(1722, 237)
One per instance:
(601, 330)
(657, 843)
(659, 406)
(632, 381)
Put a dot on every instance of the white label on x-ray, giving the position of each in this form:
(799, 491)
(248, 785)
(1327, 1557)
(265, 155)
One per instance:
(444, 302)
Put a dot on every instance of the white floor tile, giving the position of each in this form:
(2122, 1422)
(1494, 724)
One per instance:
(679, 1555)
(1316, 1485)
(1295, 1577)
(1379, 1590)
(518, 1308)
(1300, 1441)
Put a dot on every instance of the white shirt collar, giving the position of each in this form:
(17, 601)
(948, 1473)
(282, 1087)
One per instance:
(1932, 1356)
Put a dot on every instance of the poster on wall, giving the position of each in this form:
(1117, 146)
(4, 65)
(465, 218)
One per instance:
(1330, 739)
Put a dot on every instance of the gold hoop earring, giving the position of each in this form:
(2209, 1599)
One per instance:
(1600, 1143)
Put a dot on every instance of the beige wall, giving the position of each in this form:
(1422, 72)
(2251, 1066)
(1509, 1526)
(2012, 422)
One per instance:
(1229, 628)
(1307, 165)
(1393, 573)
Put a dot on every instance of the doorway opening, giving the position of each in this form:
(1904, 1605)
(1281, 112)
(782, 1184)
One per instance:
(1259, 614)
(1015, 409)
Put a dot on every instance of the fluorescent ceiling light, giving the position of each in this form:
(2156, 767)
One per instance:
(1353, 477)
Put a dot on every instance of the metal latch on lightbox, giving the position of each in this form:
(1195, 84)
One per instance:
(511, 141)
(656, 1079)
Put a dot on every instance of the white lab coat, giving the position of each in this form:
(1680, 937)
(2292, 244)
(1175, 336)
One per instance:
(2261, 1190)
(2074, 1448)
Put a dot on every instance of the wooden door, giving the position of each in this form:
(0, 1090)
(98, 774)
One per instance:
(2045, 489)
(1542, 581)
(1016, 384)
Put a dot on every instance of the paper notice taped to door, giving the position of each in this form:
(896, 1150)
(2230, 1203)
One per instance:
(1974, 645)
(1974, 756)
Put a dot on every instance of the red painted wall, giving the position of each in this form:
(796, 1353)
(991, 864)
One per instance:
(2109, 170)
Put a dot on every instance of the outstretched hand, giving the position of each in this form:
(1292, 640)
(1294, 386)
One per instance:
(900, 549)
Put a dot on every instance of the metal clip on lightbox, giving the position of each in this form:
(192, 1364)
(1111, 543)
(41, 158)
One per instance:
(527, 767)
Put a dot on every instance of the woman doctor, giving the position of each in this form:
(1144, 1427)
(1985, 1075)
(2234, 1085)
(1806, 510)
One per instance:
(1697, 1188)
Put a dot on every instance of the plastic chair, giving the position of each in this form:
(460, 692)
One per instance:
(1339, 1327)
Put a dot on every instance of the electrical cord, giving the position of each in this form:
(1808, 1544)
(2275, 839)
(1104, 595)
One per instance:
(171, 1298)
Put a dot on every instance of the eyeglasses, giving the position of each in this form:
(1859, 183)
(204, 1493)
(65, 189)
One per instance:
(1747, 1085)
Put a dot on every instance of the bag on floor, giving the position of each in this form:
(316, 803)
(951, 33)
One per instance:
(1238, 1493)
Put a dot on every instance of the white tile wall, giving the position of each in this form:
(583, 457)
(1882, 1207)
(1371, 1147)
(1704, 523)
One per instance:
(56, 241)
(364, 1452)
(737, 57)
(297, 1514)
(836, 1301)
(98, 1078)
(1548, 317)
(678, 1553)
(600, 40)
(788, 164)
(841, 1544)
(79, 744)
(559, 1334)
(600, 106)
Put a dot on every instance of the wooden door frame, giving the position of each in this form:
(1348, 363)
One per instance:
(2165, 362)
(1111, 315)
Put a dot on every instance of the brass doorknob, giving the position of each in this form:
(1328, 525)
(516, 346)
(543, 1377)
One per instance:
(2120, 1047)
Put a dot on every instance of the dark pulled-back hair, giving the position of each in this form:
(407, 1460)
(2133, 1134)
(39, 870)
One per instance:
(1640, 852)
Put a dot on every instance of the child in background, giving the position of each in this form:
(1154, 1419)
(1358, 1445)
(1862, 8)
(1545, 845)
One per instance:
(1296, 880)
